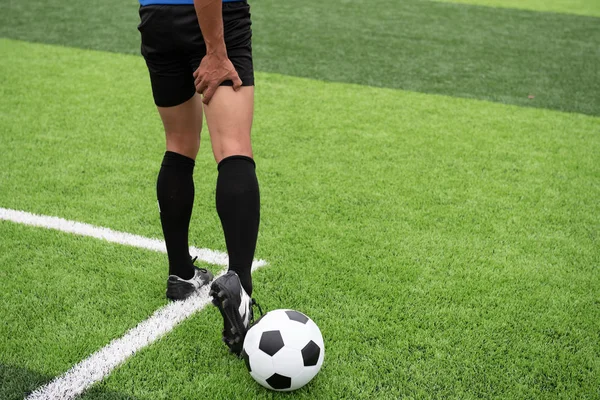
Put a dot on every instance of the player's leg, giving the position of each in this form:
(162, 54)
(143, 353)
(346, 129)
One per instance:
(181, 113)
(175, 193)
(229, 118)
(183, 125)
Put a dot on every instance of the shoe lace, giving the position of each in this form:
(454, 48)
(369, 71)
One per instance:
(204, 270)
(252, 304)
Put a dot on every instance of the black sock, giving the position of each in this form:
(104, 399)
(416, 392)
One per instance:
(238, 205)
(175, 192)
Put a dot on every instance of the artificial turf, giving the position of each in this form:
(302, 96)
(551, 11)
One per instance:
(447, 247)
(590, 8)
(64, 297)
(523, 57)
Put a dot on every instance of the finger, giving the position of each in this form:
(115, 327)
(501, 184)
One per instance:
(237, 82)
(198, 77)
(201, 87)
(208, 94)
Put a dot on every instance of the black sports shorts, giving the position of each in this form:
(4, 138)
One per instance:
(173, 46)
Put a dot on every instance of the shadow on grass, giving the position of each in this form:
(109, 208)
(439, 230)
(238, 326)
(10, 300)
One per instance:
(18, 382)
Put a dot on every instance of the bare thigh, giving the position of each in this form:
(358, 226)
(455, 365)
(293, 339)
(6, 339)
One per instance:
(183, 124)
(229, 119)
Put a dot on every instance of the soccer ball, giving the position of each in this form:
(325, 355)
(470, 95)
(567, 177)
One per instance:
(284, 350)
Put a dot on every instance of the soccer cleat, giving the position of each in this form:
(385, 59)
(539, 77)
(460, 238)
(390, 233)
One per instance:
(181, 289)
(236, 309)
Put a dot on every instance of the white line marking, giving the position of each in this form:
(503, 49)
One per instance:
(98, 365)
(79, 228)
(101, 363)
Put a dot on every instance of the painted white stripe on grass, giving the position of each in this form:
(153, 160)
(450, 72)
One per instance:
(94, 368)
(79, 228)
(98, 365)
(101, 363)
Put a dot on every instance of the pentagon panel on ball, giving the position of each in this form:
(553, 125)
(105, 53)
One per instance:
(284, 350)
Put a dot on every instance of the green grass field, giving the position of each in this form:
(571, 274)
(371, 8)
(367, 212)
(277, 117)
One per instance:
(441, 227)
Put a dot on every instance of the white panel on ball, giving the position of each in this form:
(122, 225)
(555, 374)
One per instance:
(288, 362)
(295, 335)
(262, 364)
(305, 376)
(251, 341)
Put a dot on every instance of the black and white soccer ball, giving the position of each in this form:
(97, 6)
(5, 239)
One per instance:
(284, 350)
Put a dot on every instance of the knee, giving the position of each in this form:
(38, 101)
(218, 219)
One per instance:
(230, 148)
(183, 143)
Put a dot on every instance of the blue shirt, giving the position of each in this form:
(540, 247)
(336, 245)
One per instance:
(148, 2)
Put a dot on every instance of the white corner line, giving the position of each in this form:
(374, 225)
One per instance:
(101, 363)
(78, 228)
